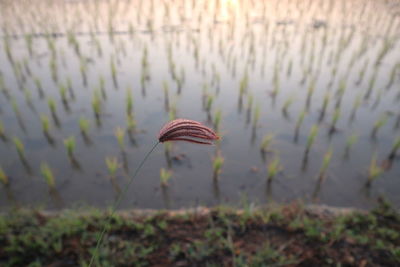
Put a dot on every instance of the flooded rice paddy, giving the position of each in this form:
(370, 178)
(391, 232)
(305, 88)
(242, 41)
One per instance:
(305, 95)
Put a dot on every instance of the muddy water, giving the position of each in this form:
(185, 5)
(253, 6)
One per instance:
(282, 53)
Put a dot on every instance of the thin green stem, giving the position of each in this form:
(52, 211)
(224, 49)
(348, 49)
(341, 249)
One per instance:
(117, 203)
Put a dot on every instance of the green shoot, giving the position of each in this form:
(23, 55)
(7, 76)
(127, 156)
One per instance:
(210, 100)
(112, 166)
(70, 145)
(326, 162)
(129, 101)
(96, 104)
(2, 131)
(311, 137)
(120, 135)
(335, 118)
(131, 122)
(52, 105)
(84, 126)
(266, 142)
(3, 177)
(48, 175)
(379, 124)
(395, 148)
(274, 167)
(218, 161)
(19, 146)
(15, 107)
(45, 123)
(217, 119)
(257, 113)
(374, 170)
(165, 175)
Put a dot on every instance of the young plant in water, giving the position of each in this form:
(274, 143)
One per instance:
(395, 148)
(131, 123)
(165, 175)
(96, 105)
(176, 130)
(218, 161)
(256, 116)
(112, 166)
(48, 175)
(120, 135)
(45, 124)
(374, 170)
(311, 137)
(325, 163)
(52, 106)
(3, 177)
(84, 126)
(274, 167)
(351, 140)
(286, 106)
(379, 124)
(266, 142)
(129, 101)
(70, 145)
(335, 118)
(2, 132)
(217, 119)
(20, 147)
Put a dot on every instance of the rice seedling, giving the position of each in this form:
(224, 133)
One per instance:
(112, 166)
(166, 95)
(52, 106)
(70, 145)
(325, 163)
(45, 123)
(15, 107)
(96, 105)
(266, 142)
(48, 175)
(362, 73)
(374, 170)
(324, 105)
(53, 68)
(172, 112)
(217, 119)
(286, 106)
(311, 137)
(335, 118)
(257, 114)
(2, 132)
(210, 101)
(165, 176)
(84, 126)
(299, 122)
(129, 101)
(392, 78)
(370, 86)
(356, 105)
(350, 142)
(63, 93)
(3, 177)
(379, 124)
(218, 161)
(395, 148)
(131, 123)
(244, 83)
(120, 135)
(273, 168)
(20, 147)
(310, 92)
(39, 87)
